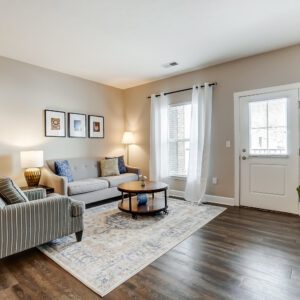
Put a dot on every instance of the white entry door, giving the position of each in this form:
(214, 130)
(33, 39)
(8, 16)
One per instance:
(269, 151)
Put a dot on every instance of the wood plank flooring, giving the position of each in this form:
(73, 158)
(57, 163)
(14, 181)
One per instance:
(241, 254)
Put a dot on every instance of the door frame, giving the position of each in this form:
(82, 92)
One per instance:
(237, 100)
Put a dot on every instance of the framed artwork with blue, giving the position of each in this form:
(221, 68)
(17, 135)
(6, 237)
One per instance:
(77, 125)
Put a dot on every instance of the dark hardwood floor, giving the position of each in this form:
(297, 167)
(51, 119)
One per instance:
(242, 254)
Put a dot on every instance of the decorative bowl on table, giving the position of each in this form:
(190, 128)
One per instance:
(142, 199)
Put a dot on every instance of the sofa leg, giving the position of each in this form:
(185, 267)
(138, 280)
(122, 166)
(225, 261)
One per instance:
(79, 235)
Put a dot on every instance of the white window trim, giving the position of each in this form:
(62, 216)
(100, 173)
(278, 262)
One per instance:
(178, 177)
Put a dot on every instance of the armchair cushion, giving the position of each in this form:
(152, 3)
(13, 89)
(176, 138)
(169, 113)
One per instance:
(36, 193)
(10, 192)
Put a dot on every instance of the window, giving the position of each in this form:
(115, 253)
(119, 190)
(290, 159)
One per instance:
(179, 139)
(268, 127)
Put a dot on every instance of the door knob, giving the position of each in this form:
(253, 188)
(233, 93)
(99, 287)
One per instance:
(244, 157)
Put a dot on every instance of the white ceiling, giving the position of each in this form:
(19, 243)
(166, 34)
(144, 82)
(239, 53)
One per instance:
(124, 43)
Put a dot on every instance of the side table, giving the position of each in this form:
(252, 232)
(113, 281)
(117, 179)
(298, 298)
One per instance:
(48, 189)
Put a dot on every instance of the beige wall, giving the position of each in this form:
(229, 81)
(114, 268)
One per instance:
(270, 69)
(26, 90)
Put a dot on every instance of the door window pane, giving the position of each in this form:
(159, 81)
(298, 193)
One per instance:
(277, 113)
(277, 140)
(258, 113)
(259, 138)
(268, 127)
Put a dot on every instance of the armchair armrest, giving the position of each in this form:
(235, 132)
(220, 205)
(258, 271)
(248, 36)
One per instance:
(78, 208)
(59, 183)
(35, 194)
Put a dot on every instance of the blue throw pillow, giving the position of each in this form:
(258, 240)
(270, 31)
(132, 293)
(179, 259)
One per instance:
(121, 164)
(62, 168)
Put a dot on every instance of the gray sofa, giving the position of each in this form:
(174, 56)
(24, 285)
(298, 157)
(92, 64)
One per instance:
(39, 220)
(88, 185)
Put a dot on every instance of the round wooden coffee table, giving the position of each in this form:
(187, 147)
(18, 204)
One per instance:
(154, 204)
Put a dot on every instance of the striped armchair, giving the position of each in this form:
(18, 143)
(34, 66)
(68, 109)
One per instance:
(42, 219)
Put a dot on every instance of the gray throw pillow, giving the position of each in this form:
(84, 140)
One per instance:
(10, 192)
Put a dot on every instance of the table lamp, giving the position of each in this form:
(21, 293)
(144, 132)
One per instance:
(128, 139)
(32, 161)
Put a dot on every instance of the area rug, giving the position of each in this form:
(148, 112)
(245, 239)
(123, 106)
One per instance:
(115, 247)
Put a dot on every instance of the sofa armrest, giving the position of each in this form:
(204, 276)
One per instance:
(59, 183)
(35, 194)
(134, 170)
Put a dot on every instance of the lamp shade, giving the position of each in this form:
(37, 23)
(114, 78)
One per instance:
(32, 159)
(128, 138)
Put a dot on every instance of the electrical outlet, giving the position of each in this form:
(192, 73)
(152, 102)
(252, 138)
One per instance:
(228, 144)
(214, 180)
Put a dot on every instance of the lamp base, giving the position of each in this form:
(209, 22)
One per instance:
(33, 176)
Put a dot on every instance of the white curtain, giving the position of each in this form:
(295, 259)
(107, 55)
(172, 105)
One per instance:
(200, 138)
(159, 138)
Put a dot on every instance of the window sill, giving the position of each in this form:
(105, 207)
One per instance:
(182, 178)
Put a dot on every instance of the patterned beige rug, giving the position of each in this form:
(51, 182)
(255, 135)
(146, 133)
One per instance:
(115, 247)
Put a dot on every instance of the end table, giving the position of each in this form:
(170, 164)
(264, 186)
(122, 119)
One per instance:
(48, 189)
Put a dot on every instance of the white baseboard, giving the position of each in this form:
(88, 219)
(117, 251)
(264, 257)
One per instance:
(176, 193)
(207, 198)
(219, 200)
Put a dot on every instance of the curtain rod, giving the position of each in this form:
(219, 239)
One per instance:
(183, 90)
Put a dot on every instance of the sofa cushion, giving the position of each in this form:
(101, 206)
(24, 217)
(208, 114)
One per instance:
(121, 163)
(10, 192)
(62, 168)
(109, 167)
(86, 186)
(116, 180)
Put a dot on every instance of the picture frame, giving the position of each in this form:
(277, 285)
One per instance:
(55, 123)
(96, 127)
(77, 125)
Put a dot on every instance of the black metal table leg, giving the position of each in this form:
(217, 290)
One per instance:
(130, 207)
(166, 203)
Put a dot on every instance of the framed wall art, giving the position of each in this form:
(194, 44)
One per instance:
(96, 126)
(55, 123)
(77, 125)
